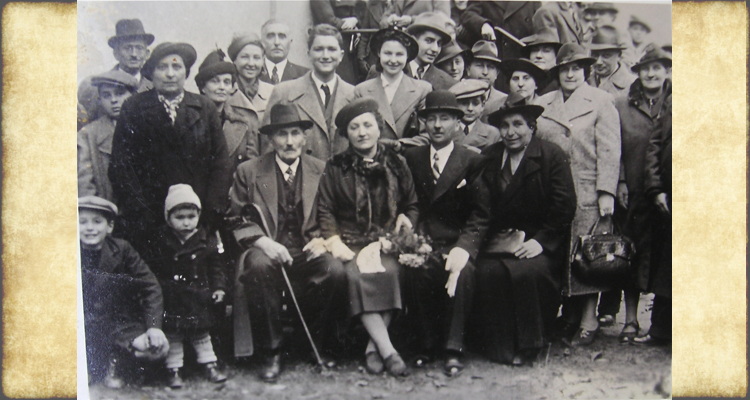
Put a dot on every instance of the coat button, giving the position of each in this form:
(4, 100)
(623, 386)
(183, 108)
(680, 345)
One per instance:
(192, 257)
(177, 277)
(175, 258)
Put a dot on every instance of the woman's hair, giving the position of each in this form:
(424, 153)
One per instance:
(324, 30)
(202, 83)
(395, 37)
(344, 131)
(586, 71)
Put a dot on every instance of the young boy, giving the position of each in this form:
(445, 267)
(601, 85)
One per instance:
(95, 139)
(187, 263)
(475, 134)
(122, 300)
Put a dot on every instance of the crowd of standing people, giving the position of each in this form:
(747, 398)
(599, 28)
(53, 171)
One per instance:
(495, 133)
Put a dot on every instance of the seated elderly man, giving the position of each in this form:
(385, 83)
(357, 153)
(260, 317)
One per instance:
(130, 48)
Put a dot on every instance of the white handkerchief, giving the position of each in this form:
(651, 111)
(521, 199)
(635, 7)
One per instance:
(461, 184)
(368, 260)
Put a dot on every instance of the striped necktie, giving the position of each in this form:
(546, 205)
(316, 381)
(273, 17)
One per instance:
(436, 168)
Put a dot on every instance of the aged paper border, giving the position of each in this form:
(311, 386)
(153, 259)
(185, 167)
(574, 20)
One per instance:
(39, 199)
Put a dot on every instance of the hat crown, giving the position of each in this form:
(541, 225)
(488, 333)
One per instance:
(215, 57)
(653, 52)
(440, 99)
(570, 52)
(449, 51)
(469, 88)
(435, 21)
(604, 6)
(353, 110)
(129, 27)
(606, 35)
(97, 203)
(543, 35)
(484, 48)
(284, 113)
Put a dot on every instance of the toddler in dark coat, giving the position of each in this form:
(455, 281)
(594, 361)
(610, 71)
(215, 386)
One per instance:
(122, 300)
(187, 262)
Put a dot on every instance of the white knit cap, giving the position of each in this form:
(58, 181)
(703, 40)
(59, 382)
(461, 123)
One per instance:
(180, 194)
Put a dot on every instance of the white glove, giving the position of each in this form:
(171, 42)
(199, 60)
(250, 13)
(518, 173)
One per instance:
(402, 221)
(368, 259)
(488, 32)
(456, 262)
(315, 248)
(338, 249)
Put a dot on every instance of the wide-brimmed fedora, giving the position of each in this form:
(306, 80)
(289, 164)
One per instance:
(523, 64)
(571, 53)
(353, 110)
(184, 50)
(637, 21)
(601, 6)
(284, 115)
(485, 50)
(606, 38)
(469, 88)
(440, 100)
(213, 65)
(546, 36)
(433, 21)
(653, 53)
(115, 77)
(451, 50)
(515, 104)
(384, 35)
(129, 29)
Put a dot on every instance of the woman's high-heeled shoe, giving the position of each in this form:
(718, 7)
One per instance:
(627, 337)
(395, 365)
(373, 362)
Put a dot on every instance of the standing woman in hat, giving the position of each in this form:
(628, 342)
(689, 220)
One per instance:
(527, 186)
(524, 78)
(398, 95)
(453, 59)
(541, 49)
(583, 121)
(164, 137)
(215, 80)
(252, 94)
(366, 192)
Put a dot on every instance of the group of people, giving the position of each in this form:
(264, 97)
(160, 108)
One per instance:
(279, 181)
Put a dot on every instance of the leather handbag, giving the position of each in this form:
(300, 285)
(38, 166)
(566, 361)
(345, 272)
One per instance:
(603, 258)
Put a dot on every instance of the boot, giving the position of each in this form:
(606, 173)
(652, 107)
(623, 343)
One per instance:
(173, 378)
(111, 380)
(213, 374)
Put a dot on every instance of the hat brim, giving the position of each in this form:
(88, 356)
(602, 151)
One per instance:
(271, 128)
(448, 57)
(488, 58)
(530, 110)
(666, 61)
(416, 29)
(453, 110)
(604, 46)
(147, 36)
(379, 38)
(184, 50)
(510, 66)
(102, 209)
(648, 28)
(586, 61)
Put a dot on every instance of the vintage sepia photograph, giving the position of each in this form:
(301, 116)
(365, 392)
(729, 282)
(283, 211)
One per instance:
(375, 199)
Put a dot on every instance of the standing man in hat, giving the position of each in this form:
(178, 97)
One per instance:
(282, 187)
(485, 66)
(164, 137)
(541, 49)
(610, 72)
(130, 48)
(277, 41)
(319, 94)
(443, 175)
(561, 16)
(515, 17)
(430, 30)
(597, 15)
(95, 139)
(472, 132)
(639, 31)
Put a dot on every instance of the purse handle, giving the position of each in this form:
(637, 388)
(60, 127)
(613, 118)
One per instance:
(613, 223)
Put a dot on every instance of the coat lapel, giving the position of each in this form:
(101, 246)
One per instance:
(423, 171)
(568, 17)
(554, 110)
(268, 188)
(310, 180)
(453, 172)
(341, 98)
(526, 167)
(404, 98)
(306, 97)
(189, 111)
(110, 253)
(375, 90)
(579, 103)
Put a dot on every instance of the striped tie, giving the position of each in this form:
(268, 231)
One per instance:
(436, 168)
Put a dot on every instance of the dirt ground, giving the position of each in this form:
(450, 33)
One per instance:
(604, 370)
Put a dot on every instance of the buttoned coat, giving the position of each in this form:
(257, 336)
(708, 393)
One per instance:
(409, 98)
(480, 136)
(557, 16)
(240, 127)
(617, 83)
(94, 151)
(291, 72)
(445, 205)
(322, 140)
(513, 16)
(413, 8)
(150, 154)
(587, 128)
(255, 185)
(88, 95)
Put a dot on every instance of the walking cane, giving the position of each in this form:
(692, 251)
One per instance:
(510, 36)
(252, 213)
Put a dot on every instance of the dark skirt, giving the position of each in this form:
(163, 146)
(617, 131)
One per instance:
(637, 224)
(517, 302)
(374, 292)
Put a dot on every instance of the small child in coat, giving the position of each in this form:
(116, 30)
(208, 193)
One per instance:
(190, 269)
(122, 300)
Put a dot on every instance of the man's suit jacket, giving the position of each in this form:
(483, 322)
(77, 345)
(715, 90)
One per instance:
(444, 206)
(557, 16)
(513, 16)
(255, 184)
(480, 136)
(439, 79)
(409, 97)
(322, 140)
(291, 72)
(616, 84)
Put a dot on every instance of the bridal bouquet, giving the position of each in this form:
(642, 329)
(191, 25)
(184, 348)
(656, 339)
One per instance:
(413, 250)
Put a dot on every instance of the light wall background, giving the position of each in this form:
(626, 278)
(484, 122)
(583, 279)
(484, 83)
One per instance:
(207, 24)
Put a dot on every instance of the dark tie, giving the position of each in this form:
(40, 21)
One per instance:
(275, 75)
(466, 130)
(290, 176)
(436, 168)
(505, 175)
(327, 92)
(420, 71)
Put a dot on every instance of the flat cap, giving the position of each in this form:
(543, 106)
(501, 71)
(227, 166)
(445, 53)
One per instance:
(115, 77)
(469, 88)
(98, 204)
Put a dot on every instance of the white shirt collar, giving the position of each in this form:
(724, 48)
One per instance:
(280, 67)
(318, 83)
(442, 154)
(284, 166)
(415, 66)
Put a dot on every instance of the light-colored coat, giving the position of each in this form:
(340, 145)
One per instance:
(616, 84)
(587, 127)
(94, 151)
(258, 105)
(322, 141)
(409, 98)
(480, 136)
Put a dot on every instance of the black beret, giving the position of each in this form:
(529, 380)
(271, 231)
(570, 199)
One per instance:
(353, 110)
